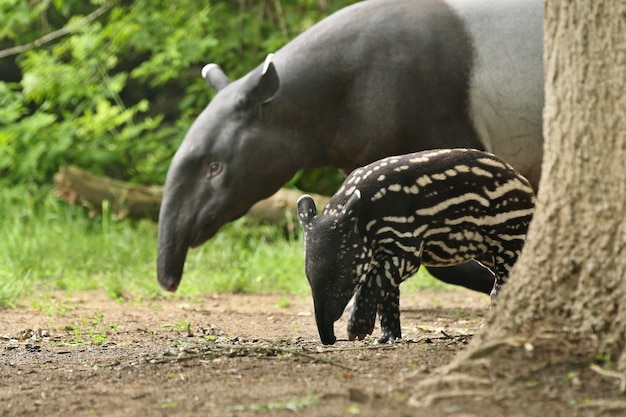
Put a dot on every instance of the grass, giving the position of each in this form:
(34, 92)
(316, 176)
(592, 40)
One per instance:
(50, 245)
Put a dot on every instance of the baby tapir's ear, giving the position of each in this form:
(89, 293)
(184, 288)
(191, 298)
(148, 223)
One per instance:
(350, 211)
(351, 208)
(306, 210)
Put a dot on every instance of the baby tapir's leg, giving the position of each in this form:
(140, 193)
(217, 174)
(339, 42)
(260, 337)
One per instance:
(389, 312)
(363, 313)
(501, 270)
(365, 304)
(508, 250)
(395, 271)
(380, 293)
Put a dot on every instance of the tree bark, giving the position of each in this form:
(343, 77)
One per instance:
(78, 186)
(565, 301)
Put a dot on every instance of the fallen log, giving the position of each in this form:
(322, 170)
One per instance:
(127, 200)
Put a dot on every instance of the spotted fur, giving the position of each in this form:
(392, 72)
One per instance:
(437, 208)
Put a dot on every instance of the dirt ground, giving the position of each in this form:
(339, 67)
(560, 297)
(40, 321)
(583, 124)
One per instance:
(226, 355)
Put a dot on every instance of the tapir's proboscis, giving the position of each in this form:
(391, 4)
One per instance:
(378, 78)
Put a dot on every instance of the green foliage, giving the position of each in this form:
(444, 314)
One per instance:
(49, 245)
(324, 180)
(116, 93)
(246, 257)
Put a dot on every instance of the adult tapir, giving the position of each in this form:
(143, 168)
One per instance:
(377, 78)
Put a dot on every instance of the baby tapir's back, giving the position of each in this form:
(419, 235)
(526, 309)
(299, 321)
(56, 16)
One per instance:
(456, 201)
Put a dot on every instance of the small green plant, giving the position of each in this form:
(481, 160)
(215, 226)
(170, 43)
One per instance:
(181, 325)
(571, 376)
(353, 409)
(604, 359)
(78, 334)
(168, 403)
(91, 330)
(579, 401)
(533, 383)
(52, 307)
(283, 302)
(293, 405)
(460, 314)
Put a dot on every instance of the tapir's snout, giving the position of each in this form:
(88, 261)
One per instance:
(170, 263)
(169, 283)
(327, 332)
(173, 239)
(329, 340)
(325, 318)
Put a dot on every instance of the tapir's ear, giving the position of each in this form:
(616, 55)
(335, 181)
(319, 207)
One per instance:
(215, 77)
(260, 87)
(351, 208)
(306, 210)
(269, 82)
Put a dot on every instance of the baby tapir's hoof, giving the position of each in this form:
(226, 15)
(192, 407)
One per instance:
(389, 337)
(358, 336)
(358, 328)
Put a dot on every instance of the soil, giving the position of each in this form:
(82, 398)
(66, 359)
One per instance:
(236, 355)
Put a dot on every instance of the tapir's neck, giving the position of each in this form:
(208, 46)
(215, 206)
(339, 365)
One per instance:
(321, 109)
(312, 119)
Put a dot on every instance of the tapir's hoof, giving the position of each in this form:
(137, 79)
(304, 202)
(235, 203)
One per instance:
(358, 336)
(387, 338)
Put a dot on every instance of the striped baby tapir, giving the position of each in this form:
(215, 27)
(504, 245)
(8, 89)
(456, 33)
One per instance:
(436, 208)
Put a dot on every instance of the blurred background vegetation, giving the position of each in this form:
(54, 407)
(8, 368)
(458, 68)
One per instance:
(112, 86)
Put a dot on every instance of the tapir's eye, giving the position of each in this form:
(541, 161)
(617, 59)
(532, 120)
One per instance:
(214, 168)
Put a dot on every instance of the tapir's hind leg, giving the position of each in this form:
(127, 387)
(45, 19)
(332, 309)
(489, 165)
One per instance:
(502, 264)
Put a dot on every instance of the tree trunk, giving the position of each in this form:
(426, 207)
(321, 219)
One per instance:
(564, 306)
(78, 186)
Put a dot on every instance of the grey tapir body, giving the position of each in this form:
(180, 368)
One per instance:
(438, 208)
(378, 78)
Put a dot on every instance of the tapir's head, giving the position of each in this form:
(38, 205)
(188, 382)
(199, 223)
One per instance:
(227, 161)
(333, 248)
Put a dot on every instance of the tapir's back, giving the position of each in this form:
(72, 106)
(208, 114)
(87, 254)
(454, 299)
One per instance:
(440, 191)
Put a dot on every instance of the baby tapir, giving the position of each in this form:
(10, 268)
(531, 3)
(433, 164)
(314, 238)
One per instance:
(437, 208)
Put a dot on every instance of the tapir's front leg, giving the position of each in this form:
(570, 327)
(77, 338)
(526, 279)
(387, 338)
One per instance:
(379, 294)
(389, 311)
(388, 289)
(363, 315)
